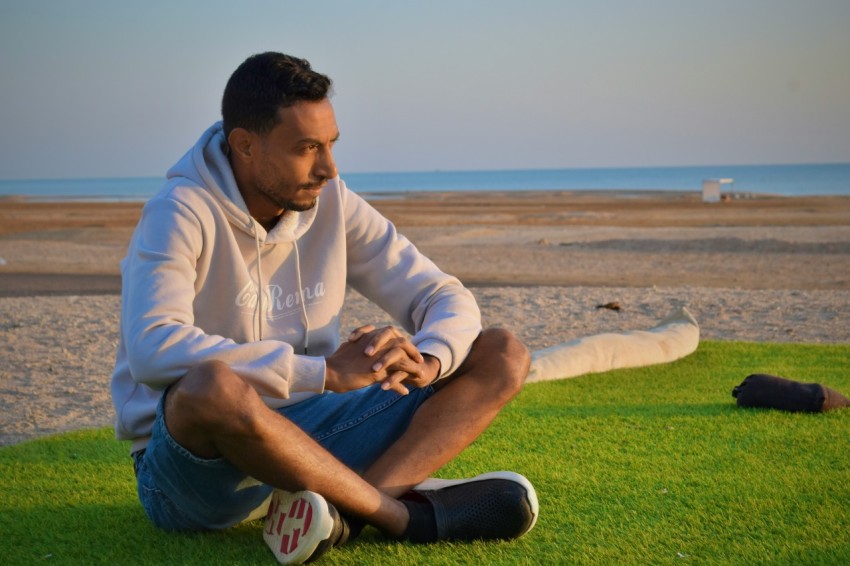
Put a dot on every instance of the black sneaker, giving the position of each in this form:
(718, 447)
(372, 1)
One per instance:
(498, 505)
(301, 526)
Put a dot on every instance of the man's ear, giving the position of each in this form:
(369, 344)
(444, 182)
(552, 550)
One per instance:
(242, 144)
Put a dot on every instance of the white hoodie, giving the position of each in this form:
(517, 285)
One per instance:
(190, 281)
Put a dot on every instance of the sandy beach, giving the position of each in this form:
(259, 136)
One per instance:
(756, 268)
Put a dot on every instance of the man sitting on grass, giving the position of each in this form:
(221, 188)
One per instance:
(230, 379)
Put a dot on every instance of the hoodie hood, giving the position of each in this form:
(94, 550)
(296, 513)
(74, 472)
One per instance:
(206, 165)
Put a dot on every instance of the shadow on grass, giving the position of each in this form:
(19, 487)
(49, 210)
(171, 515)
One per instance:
(71, 499)
(118, 533)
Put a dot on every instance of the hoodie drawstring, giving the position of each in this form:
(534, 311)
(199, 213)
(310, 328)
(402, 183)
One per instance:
(301, 293)
(260, 306)
(261, 293)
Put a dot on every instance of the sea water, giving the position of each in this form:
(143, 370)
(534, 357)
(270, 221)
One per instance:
(786, 180)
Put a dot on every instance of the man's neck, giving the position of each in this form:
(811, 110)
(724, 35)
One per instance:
(259, 206)
(269, 222)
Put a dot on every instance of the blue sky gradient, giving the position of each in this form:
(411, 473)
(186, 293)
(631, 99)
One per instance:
(107, 88)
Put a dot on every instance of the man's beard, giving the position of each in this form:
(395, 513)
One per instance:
(299, 206)
(290, 204)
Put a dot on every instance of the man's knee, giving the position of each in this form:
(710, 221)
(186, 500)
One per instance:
(505, 356)
(208, 392)
(512, 353)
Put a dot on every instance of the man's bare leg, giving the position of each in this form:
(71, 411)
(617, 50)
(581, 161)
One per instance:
(456, 414)
(212, 412)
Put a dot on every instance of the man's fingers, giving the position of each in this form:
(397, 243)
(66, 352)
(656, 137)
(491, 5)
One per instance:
(357, 333)
(398, 358)
(381, 339)
(412, 351)
(384, 339)
(394, 382)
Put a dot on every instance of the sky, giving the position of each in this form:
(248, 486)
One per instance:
(113, 88)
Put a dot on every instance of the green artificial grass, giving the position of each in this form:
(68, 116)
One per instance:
(645, 466)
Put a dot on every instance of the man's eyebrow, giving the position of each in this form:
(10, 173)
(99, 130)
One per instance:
(309, 141)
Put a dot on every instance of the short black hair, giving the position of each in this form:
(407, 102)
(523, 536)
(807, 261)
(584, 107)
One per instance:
(265, 83)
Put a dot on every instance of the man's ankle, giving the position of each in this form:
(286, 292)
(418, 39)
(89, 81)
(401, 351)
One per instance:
(422, 525)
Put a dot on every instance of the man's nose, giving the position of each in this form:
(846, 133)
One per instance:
(325, 164)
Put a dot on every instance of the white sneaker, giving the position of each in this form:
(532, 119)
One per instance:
(301, 526)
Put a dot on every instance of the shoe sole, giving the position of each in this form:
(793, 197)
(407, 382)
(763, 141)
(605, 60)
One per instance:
(434, 484)
(296, 523)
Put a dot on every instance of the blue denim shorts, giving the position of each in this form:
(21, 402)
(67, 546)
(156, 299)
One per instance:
(180, 491)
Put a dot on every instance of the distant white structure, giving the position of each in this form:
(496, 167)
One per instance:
(712, 189)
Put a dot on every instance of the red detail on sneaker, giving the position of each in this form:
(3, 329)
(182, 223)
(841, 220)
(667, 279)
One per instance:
(299, 517)
(273, 509)
(309, 518)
